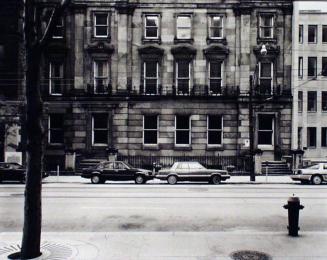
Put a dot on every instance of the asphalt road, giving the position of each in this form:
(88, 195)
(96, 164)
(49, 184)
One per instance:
(83, 207)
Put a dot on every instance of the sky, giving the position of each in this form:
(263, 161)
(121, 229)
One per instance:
(313, 5)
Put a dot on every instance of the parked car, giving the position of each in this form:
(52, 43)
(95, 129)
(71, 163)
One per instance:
(315, 174)
(191, 171)
(14, 172)
(116, 171)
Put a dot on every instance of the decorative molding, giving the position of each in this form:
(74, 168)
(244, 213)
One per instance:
(216, 51)
(123, 7)
(151, 50)
(100, 47)
(184, 51)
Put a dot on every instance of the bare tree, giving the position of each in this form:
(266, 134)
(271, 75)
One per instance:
(35, 42)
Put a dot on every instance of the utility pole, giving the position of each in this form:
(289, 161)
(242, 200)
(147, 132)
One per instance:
(251, 130)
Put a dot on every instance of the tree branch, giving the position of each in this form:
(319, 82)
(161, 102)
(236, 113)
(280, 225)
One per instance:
(51, 26)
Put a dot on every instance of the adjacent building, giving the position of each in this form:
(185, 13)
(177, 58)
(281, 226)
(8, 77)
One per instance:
(309, 83)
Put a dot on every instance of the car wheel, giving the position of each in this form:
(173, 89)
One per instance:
(95, 179)
(172, 179)
(316, 180)
(215, 179)
(139, 179)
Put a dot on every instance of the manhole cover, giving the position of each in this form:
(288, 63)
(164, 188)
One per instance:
(250, 255)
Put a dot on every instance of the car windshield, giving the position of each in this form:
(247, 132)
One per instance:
(314, 167)
(128, 165)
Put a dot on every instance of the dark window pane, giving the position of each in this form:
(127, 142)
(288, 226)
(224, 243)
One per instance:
(56, 120)
(101, 31)
(214, 122)
(324, 137)
(217, 21)
(183, 69)
(151, 69)
(100, 121)
(324, 100)
(266, 32)
(312, 33)
(265, 86)
(182, 122)
(101, 19)
(214, 137)
(182, 137)
(151, 32)
(265, 70)
(215, 86)
(265, 122)
(312, 101)
(324, 66)
(183, 86)
(150, 122)
(151, 86)
(57, 136)
(324, 33)
(312, 136)
(215, 69)
(312, 66)
(150, 137)
(300, 101)
(267, 21)
(100, 136)
(301, 33)
(265, 138)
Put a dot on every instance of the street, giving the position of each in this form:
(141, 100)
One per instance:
(161, 207)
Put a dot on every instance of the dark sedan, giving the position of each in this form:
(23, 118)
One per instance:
(12, 172)
(116, 171)
(192, 171)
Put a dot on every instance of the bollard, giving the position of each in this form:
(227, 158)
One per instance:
(293, 206)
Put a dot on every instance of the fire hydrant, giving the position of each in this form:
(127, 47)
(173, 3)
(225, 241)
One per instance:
(293, 206)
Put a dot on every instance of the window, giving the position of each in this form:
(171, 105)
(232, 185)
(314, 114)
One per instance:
(216, 27)
(214, 130)
(56, 129)
(324, 101)
(266, 26)
(266, 76)
(312, 33)
(324, 33)
(101, 76)
(182, 130)
(324, 137)
(56, 75)
(215, 77)
(59, 29)
(151, 30)
(101, 25)
(300, 101)
(312, 67)
(265, 129)
(150, 129)
(150, 77)
(324, 66)
(100, 129)
(301, 33)
(184, 27)
(312, 138)
(300, 68)
(312, 101)
(183, 76)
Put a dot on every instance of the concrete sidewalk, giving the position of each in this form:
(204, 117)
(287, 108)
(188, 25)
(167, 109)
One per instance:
(233, 180)
(172, 245)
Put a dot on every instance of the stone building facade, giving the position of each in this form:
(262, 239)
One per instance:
(309, 83)
(168, 78)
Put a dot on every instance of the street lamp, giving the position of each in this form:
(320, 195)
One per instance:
(263, 52)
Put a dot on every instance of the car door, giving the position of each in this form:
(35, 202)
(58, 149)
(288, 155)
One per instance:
(197, 172)
(121, 172)
(183, 171)
(324, 171)
(108, 170)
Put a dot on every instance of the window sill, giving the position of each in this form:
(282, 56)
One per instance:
(215, 148)
(151, 40)
(190, 41)
(217, 40)
(311, 112)
(100, 39)
(266, 40)
(153, 147)
(182, 148)
(266, 147)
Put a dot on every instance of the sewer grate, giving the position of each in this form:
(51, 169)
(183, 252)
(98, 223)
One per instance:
(50, 250)
(250, 255)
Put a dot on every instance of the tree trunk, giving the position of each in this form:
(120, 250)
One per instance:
(33, 210)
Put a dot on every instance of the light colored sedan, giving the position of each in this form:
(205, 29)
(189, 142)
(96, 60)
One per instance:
(315, 174)
(191, 171)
